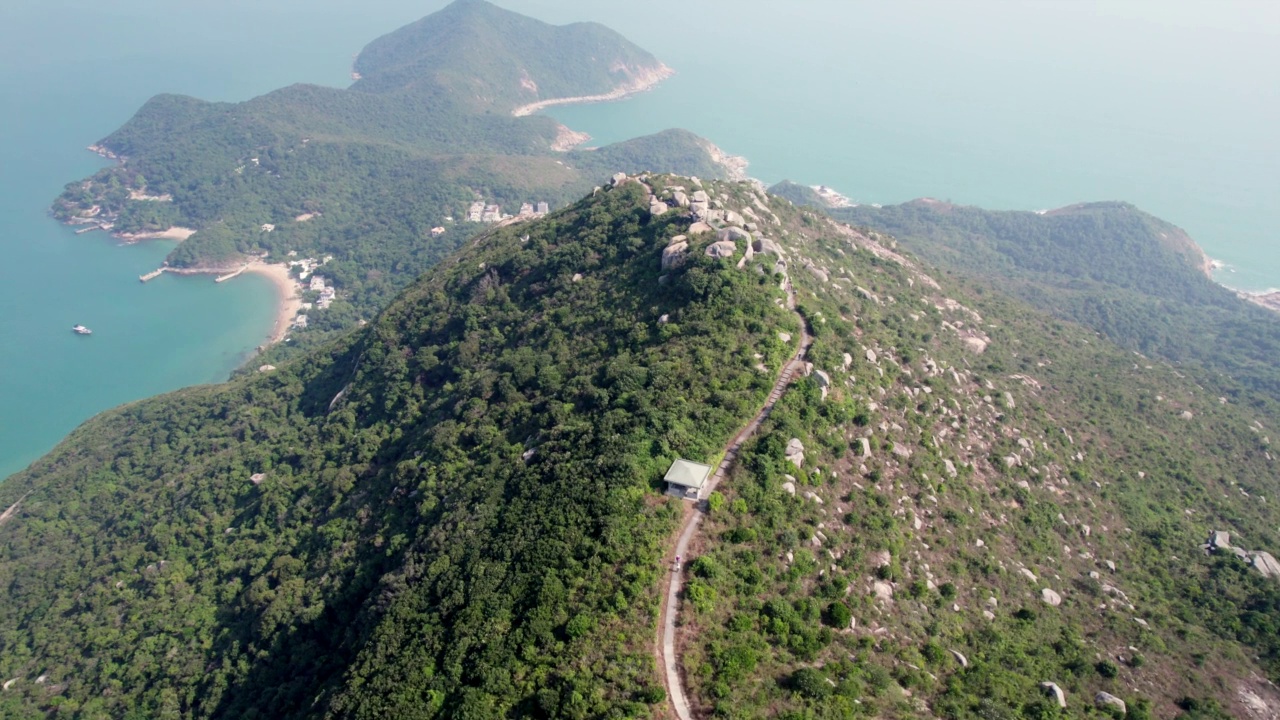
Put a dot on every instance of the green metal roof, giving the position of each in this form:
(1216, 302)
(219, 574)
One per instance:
(688, 474)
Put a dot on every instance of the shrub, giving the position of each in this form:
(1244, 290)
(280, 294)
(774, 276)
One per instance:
(810, 683)
(839, 615)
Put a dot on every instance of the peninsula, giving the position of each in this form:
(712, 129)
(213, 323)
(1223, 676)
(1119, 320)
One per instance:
(439, 122)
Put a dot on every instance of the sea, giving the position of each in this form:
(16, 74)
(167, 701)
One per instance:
(1169, 104)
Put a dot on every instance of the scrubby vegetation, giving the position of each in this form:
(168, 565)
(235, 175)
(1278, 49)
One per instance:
(1137, 279)
(1049, 460)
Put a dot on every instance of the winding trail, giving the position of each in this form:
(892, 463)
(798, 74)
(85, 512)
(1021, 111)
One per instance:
(671, 605)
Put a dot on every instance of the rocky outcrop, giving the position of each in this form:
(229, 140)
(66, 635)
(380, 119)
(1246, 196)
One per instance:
(882, 590)
(657, 207)
(674, 254)
(795, 452)
(734, 234)
(700, 228)
(765, 245)
(1264, 562)
(1050, 598)
(722, 249)
(1052, 690)
(1105, 701)
(824, 382)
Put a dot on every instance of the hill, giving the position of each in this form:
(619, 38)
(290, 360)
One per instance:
(457, 511)
(1137, 279)
(481, 55)
(366, 174)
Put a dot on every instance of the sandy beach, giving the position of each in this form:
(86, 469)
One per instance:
(643, 80)
(287, 288)
(173, 233)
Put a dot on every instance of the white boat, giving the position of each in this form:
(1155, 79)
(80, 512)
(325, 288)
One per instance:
(81, 330)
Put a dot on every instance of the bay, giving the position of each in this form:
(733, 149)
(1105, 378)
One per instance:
(72, 71)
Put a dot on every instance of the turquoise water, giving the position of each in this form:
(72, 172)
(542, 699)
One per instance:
(1169, 104)
(70, 73)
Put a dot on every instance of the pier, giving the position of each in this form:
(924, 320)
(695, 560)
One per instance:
(230, 275)
(152, 275)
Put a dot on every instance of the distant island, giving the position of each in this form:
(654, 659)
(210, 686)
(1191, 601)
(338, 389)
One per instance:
(385, 176)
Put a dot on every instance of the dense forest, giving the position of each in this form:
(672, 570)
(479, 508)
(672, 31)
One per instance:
(365, 174)
(450, 513)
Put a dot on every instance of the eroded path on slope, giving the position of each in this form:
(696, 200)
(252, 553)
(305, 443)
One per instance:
(671, 604)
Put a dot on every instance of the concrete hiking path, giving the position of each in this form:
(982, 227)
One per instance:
(670, 605)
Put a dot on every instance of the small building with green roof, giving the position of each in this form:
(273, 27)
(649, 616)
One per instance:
(686, 479)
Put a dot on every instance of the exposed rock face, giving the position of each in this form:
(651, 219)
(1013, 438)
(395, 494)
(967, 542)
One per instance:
(1264, 563)
(883, 590)
(674, 254)
(735, 234)
(795, 452)
(824, 382)
(733, 218)
(699, 196)
(871, 356)
(699, 228)
(1030, 575)
(658, 208)
(618, 179)
(257, 478)
(975, 344)
(866, 447)
(1220, 539)
(901, 451)
(960, 658)
(818, 273)
(722, 249)
(680, 199)
(848, 362)
(1052, 690)
(784, 337)
(1106, 700)
(1050, 597)
(789, 487)
(880, 558)
(765, 245)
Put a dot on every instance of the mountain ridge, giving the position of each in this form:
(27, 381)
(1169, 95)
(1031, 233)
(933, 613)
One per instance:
(456, 512)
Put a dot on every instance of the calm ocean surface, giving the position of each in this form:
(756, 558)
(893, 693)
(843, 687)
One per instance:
(1021, 105)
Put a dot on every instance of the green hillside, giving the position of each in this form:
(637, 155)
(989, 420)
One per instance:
(1133, 277)
(372, 169)
(456, 511)
(477, 54)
